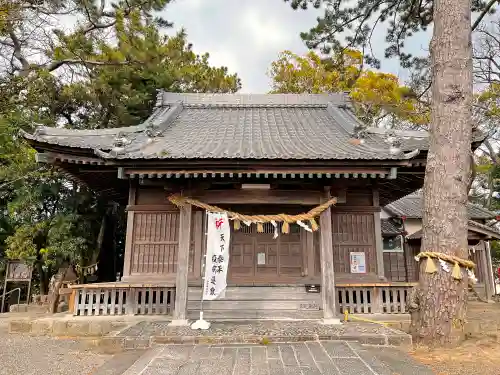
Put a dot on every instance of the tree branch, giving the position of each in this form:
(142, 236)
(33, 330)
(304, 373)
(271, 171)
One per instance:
(483, 14)
(57, 64)
(18, 50)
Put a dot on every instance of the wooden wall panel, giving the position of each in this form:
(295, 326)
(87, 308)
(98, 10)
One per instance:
(155, 242)
(394, 264)
(353, 232)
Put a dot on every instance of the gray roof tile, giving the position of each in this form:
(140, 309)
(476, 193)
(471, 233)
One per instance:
(411, 207)
(473, 227)
(238, 126)
(389, 227)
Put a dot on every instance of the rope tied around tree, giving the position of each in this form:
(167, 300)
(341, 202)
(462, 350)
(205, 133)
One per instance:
(286, 219)
(457, 262)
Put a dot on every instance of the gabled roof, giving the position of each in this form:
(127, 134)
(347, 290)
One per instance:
(473, 226)
(389, 227)
(411, 207)
(240, 126)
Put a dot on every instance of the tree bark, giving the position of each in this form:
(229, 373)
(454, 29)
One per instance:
(441, 306)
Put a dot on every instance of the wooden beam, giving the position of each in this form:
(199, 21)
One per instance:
(129, 236)
(302, 197)
(379, 248)
(326, 261)
(181, 280)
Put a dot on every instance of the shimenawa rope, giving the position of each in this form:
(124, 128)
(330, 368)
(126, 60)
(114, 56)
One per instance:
(180, 201)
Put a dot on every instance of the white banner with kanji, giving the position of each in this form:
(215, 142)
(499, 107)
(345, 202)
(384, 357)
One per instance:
(217, 257)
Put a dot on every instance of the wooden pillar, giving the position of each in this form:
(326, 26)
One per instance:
(327, 269)
(485, 277)
(129, 236)
(379, 249)
(181, 280)
(490, 268)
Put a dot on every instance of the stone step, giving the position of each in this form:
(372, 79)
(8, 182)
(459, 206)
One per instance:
(256, 305)
(260, 293)
(224, 315)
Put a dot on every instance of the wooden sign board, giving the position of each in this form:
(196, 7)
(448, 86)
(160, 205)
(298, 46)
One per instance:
(18, 271)
(313, 288)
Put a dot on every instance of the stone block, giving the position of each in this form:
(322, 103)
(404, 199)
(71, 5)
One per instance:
(60, 328)
(136, 343)
(99, 328)
(78, 328)
(41, 327)
(399, 340)
(372, 339)
(18, 308)
(19, 326)
(110, 344)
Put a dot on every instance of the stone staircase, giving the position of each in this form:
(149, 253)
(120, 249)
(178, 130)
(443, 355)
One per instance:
(257, 302)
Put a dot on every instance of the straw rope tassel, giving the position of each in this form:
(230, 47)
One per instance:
(285, 228)
(430, 267)
(456, 273)
(237, 224)
(260, 228)
(314, 224)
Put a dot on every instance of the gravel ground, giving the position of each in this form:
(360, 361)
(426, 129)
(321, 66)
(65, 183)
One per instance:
(26, 355)
(474, 356)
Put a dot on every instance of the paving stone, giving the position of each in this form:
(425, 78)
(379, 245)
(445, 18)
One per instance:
(226, 363)
(273, 351)
(328, 368)
(216, 352)
(243, 359)
(258, 355)
(200, 352)
(176, 352)
(338, 349)
(303, 355)
(191, 368)
(211, 367)
(261, 369)
(310, 371)
(276, 367)
(348, 366)
(318, 353)
(390, 361)
(288, 356)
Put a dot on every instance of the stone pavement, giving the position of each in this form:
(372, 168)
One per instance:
(305, 358)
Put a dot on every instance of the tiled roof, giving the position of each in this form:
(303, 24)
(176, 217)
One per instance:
(389, 227)
(474, 226)
(239, 126)
(411, 207)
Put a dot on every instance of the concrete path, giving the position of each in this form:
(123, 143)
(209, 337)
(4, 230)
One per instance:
(307, 358)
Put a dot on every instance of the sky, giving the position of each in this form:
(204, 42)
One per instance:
(247, 35)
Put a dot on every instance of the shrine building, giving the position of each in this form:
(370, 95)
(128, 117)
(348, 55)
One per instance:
(254, 155)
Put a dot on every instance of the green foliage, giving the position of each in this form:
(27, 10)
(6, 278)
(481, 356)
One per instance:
(353, 22)
(374, 94)
(102, 72)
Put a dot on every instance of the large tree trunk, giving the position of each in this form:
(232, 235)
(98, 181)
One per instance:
(442, 299)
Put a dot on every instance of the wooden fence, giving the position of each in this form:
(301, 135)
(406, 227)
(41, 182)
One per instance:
(116, 299)
(373, 299)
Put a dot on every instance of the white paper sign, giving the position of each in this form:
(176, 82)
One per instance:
(261, 259)
(217, 258)
(358, 262)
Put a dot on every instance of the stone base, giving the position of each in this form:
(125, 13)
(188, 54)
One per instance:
(179, 323)
(333, 321)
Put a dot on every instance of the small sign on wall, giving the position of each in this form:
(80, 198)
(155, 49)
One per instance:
(261, 259)
(358, 262)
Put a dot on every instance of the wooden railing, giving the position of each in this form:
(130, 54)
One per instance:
(122, 299)
(372, 299)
